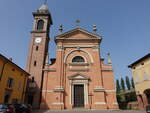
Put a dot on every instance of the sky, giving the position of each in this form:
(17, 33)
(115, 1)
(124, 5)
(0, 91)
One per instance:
(124, 25)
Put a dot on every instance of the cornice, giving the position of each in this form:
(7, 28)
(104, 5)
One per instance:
(99, 89)
(82, 46)
(107, 69)
(79, 30)
(50, 69)
(77, 39)
(77, 69)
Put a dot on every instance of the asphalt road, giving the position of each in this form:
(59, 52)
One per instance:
(89, 111)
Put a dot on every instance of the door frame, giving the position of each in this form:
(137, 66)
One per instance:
(78, 79)
(85, 85)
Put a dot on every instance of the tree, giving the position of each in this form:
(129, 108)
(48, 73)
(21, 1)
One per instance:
(128, 83)
(122, 84)
(132, 83)
(118, 88)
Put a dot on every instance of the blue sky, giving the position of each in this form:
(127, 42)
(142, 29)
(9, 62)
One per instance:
(124, 25)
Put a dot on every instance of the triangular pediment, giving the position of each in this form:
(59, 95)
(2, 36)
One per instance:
(78, 76)
(78, 33)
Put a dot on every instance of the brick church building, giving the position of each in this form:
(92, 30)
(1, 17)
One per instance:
(77, 77)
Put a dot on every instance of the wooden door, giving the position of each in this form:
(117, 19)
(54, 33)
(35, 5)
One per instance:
(78, 95)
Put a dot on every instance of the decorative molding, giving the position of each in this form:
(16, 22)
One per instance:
(92, 35)
(58, 103)
(78, 39)
(81, 46)
(78, 76)
(110, 91)
(79, 69)
(95, 48)
(99, 89)
(100, 103)
(141, 81)
(48, 91)
(60, 48)
(116, 103)
(77, 81)
(59, 89)
(107, 69)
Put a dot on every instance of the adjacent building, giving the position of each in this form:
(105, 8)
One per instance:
(13, 80)
(77, 77)
(141, 75)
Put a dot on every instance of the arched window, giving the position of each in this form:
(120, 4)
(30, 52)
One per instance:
(147, 93)
(40, 25)
(78, 59)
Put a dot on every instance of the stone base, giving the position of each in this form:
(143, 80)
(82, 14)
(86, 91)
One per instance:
(70, 107)
(43, 106)
(114, 107)
(55, 106)
(100, 106)
(87, 106)
(61, 107)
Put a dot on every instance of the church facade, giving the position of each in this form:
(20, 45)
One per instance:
(77, 77)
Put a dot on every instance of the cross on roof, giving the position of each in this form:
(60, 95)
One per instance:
(45, 1)
(77, 22)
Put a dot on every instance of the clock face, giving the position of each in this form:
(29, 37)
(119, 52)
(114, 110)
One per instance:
(38, 40)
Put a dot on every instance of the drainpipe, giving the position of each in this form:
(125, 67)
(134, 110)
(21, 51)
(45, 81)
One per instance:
(3, 70)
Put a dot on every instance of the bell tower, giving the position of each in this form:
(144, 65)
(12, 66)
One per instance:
(38, 50)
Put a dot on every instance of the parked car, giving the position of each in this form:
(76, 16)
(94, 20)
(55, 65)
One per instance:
(6, 108)
(148, 108)
(22, 108)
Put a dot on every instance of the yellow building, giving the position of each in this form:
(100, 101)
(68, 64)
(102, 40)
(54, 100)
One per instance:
(141, 75)
(13, 81)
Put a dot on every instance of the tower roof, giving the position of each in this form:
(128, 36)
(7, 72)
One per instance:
(44, 8)
(43, 11)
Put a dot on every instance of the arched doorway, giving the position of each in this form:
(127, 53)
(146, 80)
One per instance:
(79, 90)
(147, 93)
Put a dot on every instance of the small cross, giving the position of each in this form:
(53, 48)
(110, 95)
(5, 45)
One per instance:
(61, 28)
(77, 22)
(45, 2)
